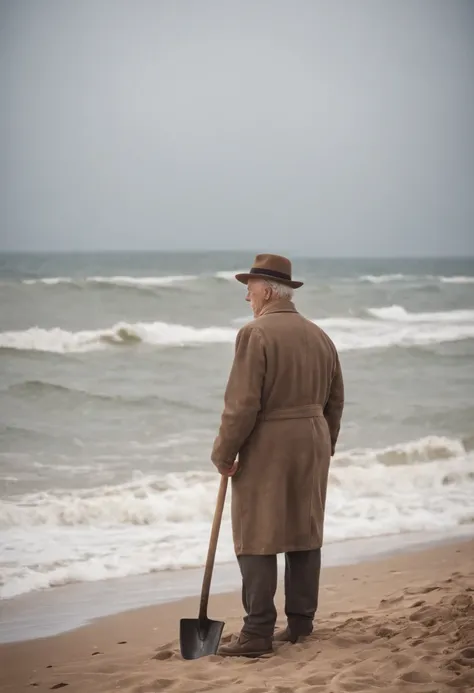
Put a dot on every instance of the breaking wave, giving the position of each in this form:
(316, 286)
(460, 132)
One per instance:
(61, 341)
(382, 328)
(129, 282)
(155, 523)
(390, 278)
(457, 280)
(123, 281)
(383, 278)
(399, 314)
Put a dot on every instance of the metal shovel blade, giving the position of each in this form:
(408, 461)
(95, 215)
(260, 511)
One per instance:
(199, 638)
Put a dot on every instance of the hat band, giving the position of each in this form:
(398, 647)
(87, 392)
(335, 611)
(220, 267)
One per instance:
(270, 273)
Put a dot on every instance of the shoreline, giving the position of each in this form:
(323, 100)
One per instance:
(406, 621)
(59, 610)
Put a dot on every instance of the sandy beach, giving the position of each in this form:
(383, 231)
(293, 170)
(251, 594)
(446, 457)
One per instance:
(402, 623)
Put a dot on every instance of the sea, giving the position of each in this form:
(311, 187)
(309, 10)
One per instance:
(112, 374)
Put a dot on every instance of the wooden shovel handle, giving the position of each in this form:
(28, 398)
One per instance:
(211, 554)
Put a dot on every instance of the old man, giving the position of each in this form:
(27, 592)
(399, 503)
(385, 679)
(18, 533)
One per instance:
(282, 412)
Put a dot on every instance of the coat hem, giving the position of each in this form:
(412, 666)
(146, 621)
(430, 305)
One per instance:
(286, 549)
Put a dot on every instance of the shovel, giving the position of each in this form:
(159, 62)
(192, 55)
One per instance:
(199, 637)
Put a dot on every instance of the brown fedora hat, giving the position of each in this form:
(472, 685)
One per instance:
(275, 267)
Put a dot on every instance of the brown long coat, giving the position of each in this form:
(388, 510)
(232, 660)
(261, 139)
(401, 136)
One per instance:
(282, 413)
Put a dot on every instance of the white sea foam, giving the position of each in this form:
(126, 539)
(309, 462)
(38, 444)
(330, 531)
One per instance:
(125, 281)
(170, 498)
(457, 280)
(384, 278)
(115, 280)
(430, 278)
(229, 275)
(50, 281)
(399, 314)
(386, 327)
(395, 326)
(61, 341)
(163, 522)
(143, 281)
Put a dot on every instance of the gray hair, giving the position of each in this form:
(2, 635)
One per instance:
(280, 290)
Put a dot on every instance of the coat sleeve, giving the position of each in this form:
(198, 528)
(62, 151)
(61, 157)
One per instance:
(335, 405)
(242, 399)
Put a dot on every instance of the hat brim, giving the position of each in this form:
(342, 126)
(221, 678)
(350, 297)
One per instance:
(244, 277)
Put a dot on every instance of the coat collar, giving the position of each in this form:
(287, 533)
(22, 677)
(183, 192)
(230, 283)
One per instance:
(282, 305)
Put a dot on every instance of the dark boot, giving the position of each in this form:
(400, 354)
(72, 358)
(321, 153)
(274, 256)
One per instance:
(246, 646)
(285, 635)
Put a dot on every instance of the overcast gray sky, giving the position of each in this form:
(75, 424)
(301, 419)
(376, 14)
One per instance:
(345, 126)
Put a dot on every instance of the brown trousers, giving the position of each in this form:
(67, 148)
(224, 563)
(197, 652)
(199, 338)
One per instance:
(259, 583)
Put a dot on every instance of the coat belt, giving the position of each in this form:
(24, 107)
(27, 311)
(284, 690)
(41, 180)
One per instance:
(306, 411)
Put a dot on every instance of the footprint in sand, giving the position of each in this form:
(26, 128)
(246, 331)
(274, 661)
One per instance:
(416, 642)
(390, 601)
(317, 679)
(426, 614)
(462, 659)
(156, 685)
(462, 602)
(415, 676)
(342, 642)
(361, 685)
(164, 654)
(464, 681)
(354, 679)
(421, 589)
(159, 685)
(385, 632)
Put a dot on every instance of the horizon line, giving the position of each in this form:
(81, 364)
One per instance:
(296, 255)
